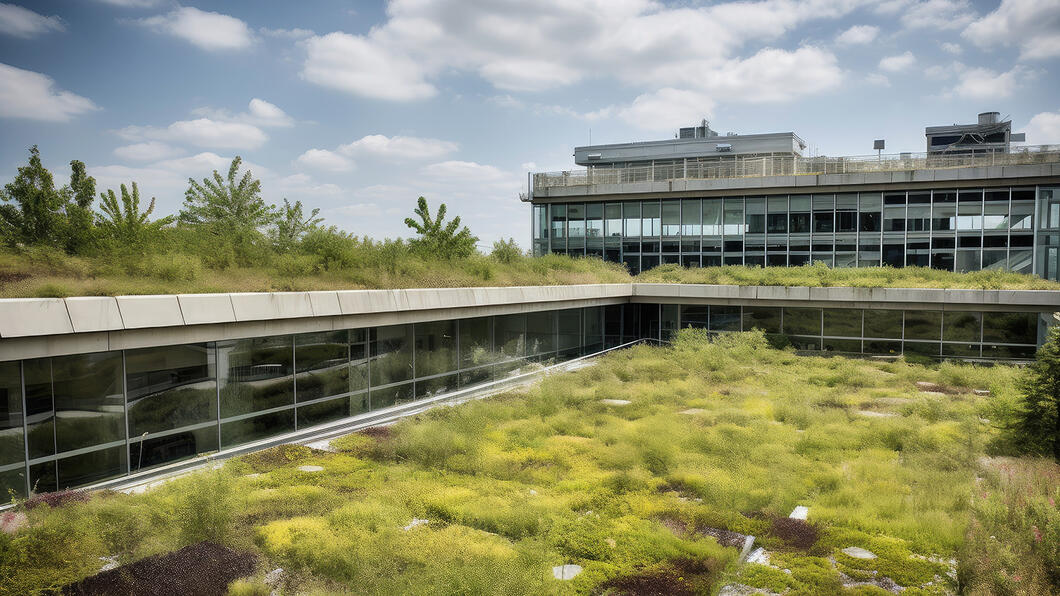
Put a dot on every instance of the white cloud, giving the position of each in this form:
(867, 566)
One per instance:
(399, 147)
(287, 33)
(355, 65)
(23, 22)
(876, 78)
(898, 63)
(302, 185)
(667, 108)
(951, 48)
(358, 210)
(259, 113)
(1032, 25)
(534, 47)
(32, 95)
(201, 132)
(463, 170)
(1044, 128)
(857, 35)
(983, 83)
(322, 159)
(149, 151)
(930, 14)
(210, 31)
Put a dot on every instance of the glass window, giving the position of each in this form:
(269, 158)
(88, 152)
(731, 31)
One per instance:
(559, 224)
(255, 374)
(40, 409)
(1010, 327)
(322, 363)
(651, 222)
(385, 397)
(540, 332)
(884, 324)
(613, 220)
(802, 321)
(570, 332)
(88, 387)
(358, 359)
(170, 387)
(91, 467)
(928, 349)
(962, 326)
(154, 450)
(761, 317)
(823, 216)
(734, 220)
(1022, 215)
(777, 218)
(712, 217)
(576, 221)
(509, 335)
(245, 430)
(799, 216)
(671, 218)
(435, 348)
(476, 345)
(724, 318)
(845, 322)
(12, 448)
(694, 316)
(391, 354)
(594, 223)
(691, 217)
(593, 338)
(324, 411)
(756, 216)
(923, 324)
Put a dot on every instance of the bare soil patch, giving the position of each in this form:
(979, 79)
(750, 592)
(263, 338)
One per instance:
(203, 569)
(794, 532)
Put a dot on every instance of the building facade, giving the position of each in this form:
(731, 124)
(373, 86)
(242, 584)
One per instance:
(761, 203)
(93, 389)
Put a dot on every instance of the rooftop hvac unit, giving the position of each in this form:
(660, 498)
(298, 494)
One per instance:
(723, 147)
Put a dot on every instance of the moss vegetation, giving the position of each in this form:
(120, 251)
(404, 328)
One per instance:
(729, 435)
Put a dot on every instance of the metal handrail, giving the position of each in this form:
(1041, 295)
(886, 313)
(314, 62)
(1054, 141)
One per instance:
(789, 165)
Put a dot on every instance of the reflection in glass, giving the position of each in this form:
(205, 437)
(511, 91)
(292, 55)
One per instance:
(391, 354)
(255, 374)
(322, 363)
(89, 400)
(170, 387)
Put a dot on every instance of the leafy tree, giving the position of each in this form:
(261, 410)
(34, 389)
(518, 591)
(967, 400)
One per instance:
(1037, 429)
(506, 251)
(78, 196)
(226, 203)
(38, 217)
(124, 222)
(437, 238)
(292, 225)
(231, 209)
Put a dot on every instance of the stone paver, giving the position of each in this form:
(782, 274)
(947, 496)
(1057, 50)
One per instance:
(874, 414)
(692, 411)
(615, 402)
(858, 553)
(800, 512)
(416, 522)
(311, 468)
(566, 572)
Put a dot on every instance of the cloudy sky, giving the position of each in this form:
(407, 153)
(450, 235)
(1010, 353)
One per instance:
(360, 107)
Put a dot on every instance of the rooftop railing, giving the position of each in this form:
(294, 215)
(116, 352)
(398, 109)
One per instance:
(788, 165)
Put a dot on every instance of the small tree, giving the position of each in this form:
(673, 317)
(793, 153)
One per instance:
(506, 251)
(78, 196)
(124, 223)
(38, 217)
(229, 208)
(292, 225)
(437, 238)
(1037, 429)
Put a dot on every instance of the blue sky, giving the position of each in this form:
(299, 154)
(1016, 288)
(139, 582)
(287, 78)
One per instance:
(358, 107)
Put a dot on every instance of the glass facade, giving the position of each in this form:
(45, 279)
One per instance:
(931, 333)
(69, 421)
(949, 229)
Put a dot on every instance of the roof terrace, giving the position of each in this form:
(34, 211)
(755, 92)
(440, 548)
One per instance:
(760, 166)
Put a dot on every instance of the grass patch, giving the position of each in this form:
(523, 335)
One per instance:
(721, 439)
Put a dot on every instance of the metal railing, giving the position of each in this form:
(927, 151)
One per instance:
(788, 165)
